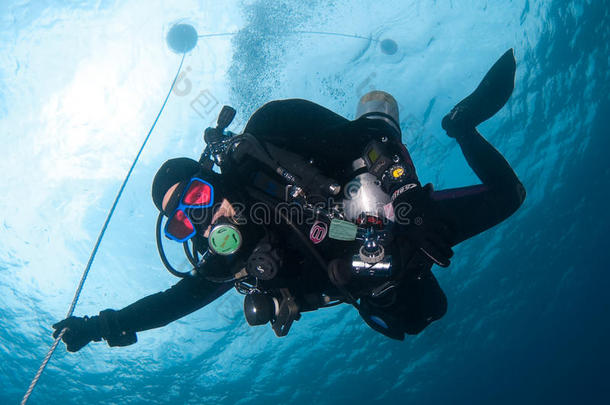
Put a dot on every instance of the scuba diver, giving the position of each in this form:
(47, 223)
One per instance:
(306, 210)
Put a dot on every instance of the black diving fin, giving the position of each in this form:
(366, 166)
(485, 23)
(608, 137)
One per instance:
(486, 100)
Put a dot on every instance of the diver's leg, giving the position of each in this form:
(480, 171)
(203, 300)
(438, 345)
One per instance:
(487, 163)
(485, 101)
(471, 210)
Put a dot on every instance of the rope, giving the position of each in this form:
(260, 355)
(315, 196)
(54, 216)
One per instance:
(42, 367)
(335, 34)
(97, 245)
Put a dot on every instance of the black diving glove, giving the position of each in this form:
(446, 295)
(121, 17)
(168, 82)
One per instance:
(417, 220)
(81, 331)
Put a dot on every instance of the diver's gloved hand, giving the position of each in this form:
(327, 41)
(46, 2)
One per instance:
(83, 330)
(80, 331)
(417, 219)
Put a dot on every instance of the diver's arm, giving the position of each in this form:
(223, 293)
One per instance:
(119, 328)
(157, 310)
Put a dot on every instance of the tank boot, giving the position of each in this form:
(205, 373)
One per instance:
(378, 104)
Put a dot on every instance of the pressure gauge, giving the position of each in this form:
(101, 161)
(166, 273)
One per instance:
(224, 239)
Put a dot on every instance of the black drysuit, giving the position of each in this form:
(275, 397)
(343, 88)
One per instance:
(333, 142)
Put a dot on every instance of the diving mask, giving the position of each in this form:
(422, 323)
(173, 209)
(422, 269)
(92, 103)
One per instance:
(196, 194)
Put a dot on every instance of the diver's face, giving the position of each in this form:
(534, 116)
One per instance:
(225, 209)
(168, 195)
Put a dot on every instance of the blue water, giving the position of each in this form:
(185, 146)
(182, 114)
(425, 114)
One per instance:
(80, 86)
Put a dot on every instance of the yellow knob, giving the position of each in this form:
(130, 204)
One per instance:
(398, 172)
